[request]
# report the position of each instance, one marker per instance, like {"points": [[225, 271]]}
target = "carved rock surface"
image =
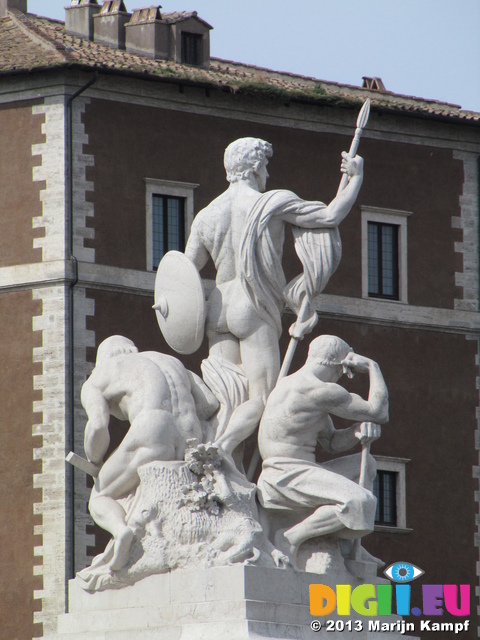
{"points": [[183, 519]]}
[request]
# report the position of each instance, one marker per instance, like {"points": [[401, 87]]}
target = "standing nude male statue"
{"points": [[326, 496], [243, 232], [164, 404]]}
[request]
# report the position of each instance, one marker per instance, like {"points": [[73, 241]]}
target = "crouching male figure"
{"points": [[164, 404], [325, 498]]}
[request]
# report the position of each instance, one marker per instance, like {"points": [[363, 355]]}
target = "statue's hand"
{"points": [[299, 329], [357, 362], [368, 432], [281, 560], [351, 166]]}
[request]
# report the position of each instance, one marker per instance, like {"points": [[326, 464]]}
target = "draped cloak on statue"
{"points": [[260, 267]]}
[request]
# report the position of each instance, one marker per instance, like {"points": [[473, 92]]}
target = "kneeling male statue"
{"points": [[323, 499]]}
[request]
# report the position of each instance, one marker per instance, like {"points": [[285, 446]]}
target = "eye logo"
{"points": [[403, 572]]}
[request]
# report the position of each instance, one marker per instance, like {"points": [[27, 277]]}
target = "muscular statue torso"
{"points": [[293, 422], [146, 382]]}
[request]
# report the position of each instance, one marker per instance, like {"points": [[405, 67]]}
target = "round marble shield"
{"points": [[180, 303]]}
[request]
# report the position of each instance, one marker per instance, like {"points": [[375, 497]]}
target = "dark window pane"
{"points": [[389, 258], [373, 283], [173, 224], [384, 488], [376, 493], [389, 505], [191, 44], [382, 260], [158, 235], [168, 226]]}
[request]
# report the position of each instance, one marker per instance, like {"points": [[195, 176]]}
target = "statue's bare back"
{"points": [[221, 227]]}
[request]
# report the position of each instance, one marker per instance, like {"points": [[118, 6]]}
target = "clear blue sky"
{"points": [[424, 48]]}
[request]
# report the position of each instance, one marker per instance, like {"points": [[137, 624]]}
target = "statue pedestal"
{"points": [[237, 602]]}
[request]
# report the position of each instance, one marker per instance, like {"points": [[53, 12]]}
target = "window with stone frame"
{"points": [[169, 215], [390, 490], [384, 489], [384, 254], [168, 225], [382, 260]]}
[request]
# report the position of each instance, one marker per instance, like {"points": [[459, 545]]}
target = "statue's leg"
{"points": [[349, 467], [116, 478], [151, 436], [324, 521], [261, 362], [225, 346], [344, 508], [110, 515], [261, 359]]}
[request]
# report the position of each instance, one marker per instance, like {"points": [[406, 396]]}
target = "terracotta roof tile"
{"points": [[29, 42]]}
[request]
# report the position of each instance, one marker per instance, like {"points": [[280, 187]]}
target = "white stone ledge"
{"points": [[97, 275], [396, 314], [466, 305], [365, 310], [143, 282], [26, 276]]}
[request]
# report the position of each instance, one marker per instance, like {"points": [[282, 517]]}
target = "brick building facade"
{"points": [[90, 133]]}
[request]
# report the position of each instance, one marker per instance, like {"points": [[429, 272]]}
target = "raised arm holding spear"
{"points": [[309, 247]]}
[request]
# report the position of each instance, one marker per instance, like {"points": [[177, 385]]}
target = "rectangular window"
{"points": [[390, 490], [382, 260], [191, 47], [384, 254], [385, 490], [169, 215], [168, 219]]}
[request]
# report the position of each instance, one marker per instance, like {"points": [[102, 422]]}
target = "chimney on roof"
{"points": [[374, 84], [6, 5], [109, 24], [79, 18], [147, 34]]}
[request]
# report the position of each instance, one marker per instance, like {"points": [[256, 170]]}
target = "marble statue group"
{"points": [[175, 492]]}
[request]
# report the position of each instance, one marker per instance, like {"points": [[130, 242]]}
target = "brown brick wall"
{"points": [[17, 467], [19, 129], [431, 376]]}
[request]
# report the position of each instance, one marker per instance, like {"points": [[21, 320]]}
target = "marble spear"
{"points": [[362, 120], [361, 124]]}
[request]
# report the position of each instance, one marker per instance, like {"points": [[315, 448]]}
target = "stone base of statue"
{"points": [[197, 513], [238, 602], [200, 567]]}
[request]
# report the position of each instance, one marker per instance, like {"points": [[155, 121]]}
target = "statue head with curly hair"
{"points": [[245, 158]]}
